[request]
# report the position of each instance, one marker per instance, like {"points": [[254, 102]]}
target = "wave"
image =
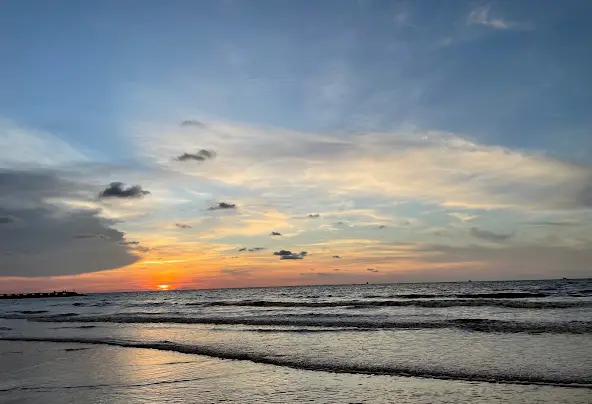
{"points": [[359, 304], [299, 363], [465, 324], [493, 295]]}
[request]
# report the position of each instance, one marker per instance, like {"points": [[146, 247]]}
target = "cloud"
{"points": [[463, 217], [256, 249], [223, 206], [372, 270], [432, 167], [118, 190], [89, 235], [7, 219], [382, 226], [584, 196], [489, 235], [554, 223], [282, 252], [56, 239], [275, 233], [289, 255], [193, 122], [336, 269], [336, 256], [242, 249], [133, 242], [183, 225], [201, 155], [314, 216], [482, 16]]}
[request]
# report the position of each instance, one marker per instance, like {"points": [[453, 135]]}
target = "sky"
{"points": [[260, 143]]}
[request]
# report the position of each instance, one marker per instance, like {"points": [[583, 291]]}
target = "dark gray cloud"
{"points": [[314, 216], [89, 235], [256, 249], [133, 242], [275, 233], [7, 219], [336, 256], [490, 236], [292, 257], [193, 122], [201, 155], [289, 255], [382, 226], [183, 225], [118, 190], [282, 252], [372, 270], [242, 249], [54, 240], [223, 206]]}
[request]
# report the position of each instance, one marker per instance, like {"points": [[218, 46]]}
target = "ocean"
{"points": [[514, 341]]}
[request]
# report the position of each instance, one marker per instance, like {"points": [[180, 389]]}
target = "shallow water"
{"points": [[516, 333]]}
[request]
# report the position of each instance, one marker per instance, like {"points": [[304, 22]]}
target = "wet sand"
{"points": [[48, 373]]}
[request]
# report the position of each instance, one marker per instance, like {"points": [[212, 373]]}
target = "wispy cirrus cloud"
{"points": [[482, 15], [436, 167]]}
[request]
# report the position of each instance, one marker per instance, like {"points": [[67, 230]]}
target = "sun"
{"points": [[163, 287]]}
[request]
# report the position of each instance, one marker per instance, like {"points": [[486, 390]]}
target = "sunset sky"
{"points": [[202, 144]]}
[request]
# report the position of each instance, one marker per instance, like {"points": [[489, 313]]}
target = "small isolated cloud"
{"points": [[463, 217], [223, 206], [201, 155], [282, 252], [256, 249], [118, 190], [336, 269], [242, 249], [336, 256], [275, 233], [183, 225], [192, 122], [372, 270], [482, 16], [382, 226], [314, 216], [490, 236], [289, 255]]}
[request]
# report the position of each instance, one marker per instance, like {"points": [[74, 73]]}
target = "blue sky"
{"points": [[396, 113]]}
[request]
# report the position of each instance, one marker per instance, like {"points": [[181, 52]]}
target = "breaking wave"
{"points": [[308, 320], [299, 363]]}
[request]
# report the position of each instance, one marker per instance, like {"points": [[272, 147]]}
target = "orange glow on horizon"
{"points": [[164, 287]]}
